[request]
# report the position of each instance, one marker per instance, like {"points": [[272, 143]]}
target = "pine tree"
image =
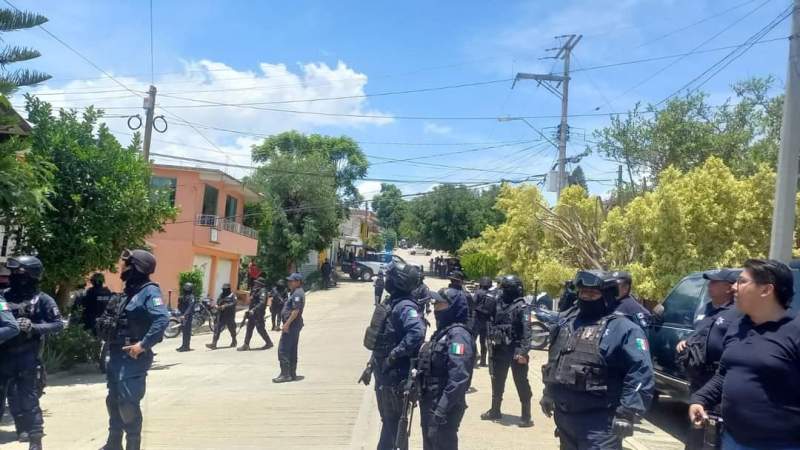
{"points": [[577, 177], [10, 80]]}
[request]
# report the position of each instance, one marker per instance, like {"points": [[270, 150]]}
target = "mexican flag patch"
{"points": [[157, 301], [641, 344], [456, 348], [412, 313], [3, 306]]}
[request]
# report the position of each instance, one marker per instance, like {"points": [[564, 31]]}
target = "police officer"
{"points": [[37, 315], [598, 376], [445, 364], [509, 334], [93, 301], [326, 269], [569, 296], [484, 306], [186, 304], [397, 340], [292, 316], [226, 310], [277, 298], [379, 285], [255, 314], [627, 303], [133, 323], [701, 351]]}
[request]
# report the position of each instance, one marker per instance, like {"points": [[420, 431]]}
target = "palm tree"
{"points": [[13, 20]]}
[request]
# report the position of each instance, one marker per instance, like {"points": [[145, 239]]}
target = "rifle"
{"points": [[243, 322], [366, 375], [410, 396]]}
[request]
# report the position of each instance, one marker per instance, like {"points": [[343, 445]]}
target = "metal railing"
{"points": [[221, 223]]}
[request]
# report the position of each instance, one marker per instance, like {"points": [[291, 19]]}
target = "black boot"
{"points": [[212, 346], [493, 413], [525, 420], [113, 442], [183, 349], [35, 443], [268, 346], [133, 443], [22, 436], [285, 375], [233, 343], [243, 348]]}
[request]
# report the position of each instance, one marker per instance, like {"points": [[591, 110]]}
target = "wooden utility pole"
{"points": [[784, 214], [149, 109]]}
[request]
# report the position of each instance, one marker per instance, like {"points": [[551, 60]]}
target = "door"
{"points": [[222, 276], [203, 263]]}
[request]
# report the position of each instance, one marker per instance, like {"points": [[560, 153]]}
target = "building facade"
{"points": [[207, 234]]}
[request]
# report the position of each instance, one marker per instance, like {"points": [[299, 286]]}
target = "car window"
{"points": [[682, 302]]}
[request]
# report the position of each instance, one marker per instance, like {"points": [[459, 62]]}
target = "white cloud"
{"points": [[368, 189], [434, 128], [183, 94]]}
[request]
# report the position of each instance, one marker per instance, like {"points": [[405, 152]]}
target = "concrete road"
{"points": [[225, 399]]}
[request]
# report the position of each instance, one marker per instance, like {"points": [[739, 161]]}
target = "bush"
{"points": [[194, 276], [313, 280], [479, 264], [72, 346]]}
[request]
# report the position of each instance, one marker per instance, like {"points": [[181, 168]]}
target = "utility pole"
{"points": [[149, 108], [619, 185], [783, 216], [563, 52]]}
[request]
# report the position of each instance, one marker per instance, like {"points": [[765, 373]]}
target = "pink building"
{"points": [[207, 234]]}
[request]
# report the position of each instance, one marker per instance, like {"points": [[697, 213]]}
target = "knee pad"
{"points": [[129, 412]]}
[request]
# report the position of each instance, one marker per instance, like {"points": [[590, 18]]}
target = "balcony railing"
{"points": [[221, 223]]}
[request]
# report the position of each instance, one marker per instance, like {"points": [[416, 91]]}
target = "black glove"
{"points": [[25, 325], [391, 360], [439, 419], [548, 406], [622, 426]]}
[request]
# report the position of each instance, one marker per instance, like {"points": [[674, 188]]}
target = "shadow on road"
{"points": [[670, 416], [7, 436]]}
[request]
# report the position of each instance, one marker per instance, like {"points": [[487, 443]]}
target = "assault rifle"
{"points": [[410, 397]]}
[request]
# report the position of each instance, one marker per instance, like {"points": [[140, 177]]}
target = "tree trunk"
{"points": [[62, 296]]}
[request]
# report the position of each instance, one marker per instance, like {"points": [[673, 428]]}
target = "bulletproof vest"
{"points": [[25, 309], [432, 360], [503, 330], [127, 330], [375, 336], [575, 362], [185, 301]]}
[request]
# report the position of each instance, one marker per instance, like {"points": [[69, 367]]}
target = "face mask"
{"points": [[97, 284], [226, 292], [594, 308], [19, 281], [126, 273]]}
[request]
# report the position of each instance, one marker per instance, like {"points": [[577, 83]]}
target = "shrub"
{"points": [[74, 345], [479, 264]]}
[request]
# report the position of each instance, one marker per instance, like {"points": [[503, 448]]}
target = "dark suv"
{"points": [[684, 302]]}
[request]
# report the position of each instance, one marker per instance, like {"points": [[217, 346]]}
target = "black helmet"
{"points": [[597, 279], [97, 278], [188, 287], [226, 286], [485, 282], [456, 275], [29, 265], [402, 278], [142, 260], [512, 287]]}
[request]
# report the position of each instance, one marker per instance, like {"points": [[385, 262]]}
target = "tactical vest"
{"points": [[503, 330], [575, 362], [380, 336], [24, 309], [434, 376], [128, 333]]}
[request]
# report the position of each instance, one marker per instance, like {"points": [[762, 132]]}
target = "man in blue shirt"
{"points": [[292, 316], [758, 380]]}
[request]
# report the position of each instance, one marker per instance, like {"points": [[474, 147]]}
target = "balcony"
{"points": [[221, 223], [225, 235]]}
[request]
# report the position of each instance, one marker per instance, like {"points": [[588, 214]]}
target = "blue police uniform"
{"points": [[287, 346], [19, 357], [758, 384], [597, 369], [142, 317], [8, 324], [710, 329], [630, 307], [446, 363], [186, 305], [406, 330]]}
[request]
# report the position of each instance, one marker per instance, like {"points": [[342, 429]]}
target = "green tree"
{"points": [[389, 206], [13, 20], [101, 198], [577, 178], [348, 162], [300, 212]]}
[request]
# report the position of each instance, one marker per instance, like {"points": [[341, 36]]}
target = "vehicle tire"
{"points": [[366, 275], [353, 276], [212, 323], [197, 323], [173, 328], [540, 336]]}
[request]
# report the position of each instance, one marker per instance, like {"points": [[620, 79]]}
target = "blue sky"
{"points": [[266, 52]]}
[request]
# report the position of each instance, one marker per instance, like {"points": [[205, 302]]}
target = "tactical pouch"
{"points": [[374, 336], [712, 433]]}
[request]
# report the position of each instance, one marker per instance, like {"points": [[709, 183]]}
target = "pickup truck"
{"points": [[367, 267], [685, 301]]}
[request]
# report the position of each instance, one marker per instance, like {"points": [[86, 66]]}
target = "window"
{"points": [[165, 184], [231, 204], [681, 304], [210, 201]]}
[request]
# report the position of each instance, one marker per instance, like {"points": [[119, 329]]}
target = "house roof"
{"points": [[21, 127], [207, 174]]}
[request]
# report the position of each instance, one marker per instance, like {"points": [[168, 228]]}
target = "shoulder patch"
{"points": [[641, 344], [3, 305], [412, 313], [157, 301], [456, 348]]}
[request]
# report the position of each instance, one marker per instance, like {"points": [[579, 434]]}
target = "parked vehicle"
{"points": [[542, 321], [367, 267], [673, 324], [174, 327], [204, 314]]}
